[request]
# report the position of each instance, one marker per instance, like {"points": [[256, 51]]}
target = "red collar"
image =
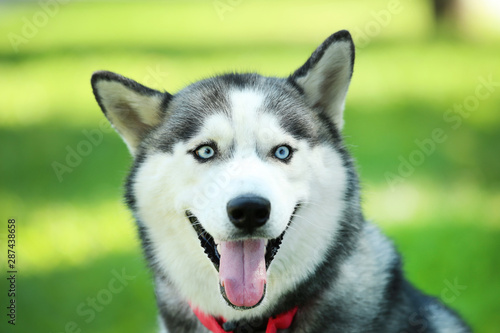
{"points": [[281, 321]]}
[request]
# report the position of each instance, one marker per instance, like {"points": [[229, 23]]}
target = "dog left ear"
{"points": [[326, 75]]}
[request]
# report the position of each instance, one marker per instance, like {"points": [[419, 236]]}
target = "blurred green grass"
{"points": [[73, 233]]}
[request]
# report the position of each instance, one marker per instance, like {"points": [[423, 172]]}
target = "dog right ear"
{"points": [[326, 75], [130, 107]]}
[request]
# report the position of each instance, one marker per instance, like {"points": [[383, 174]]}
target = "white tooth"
{"points": [[218, 248], [265, 243]]}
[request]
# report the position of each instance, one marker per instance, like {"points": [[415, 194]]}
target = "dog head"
{"points": [[239, 180]]}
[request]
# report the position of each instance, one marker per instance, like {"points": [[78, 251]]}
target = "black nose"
{"points": [[248, 212]]}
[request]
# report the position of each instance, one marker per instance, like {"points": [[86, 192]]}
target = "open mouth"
{"points": [[242, 264]]}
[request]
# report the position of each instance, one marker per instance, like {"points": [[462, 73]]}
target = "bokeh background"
{"points": [[422, 121]]}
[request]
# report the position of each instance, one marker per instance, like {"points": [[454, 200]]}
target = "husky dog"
{"points": [[247, 205]]}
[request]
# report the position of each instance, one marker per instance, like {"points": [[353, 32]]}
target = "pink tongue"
{"points": [[242, 271]]}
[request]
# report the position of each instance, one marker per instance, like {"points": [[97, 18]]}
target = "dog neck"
{"points": [[220, 325]]}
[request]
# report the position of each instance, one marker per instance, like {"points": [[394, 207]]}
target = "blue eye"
{"points": [[283, 152], [205, 152]]}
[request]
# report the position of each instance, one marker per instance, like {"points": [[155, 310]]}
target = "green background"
{"points": [[74, 233]]}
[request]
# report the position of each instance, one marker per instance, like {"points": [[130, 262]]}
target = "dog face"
{"points": [[227, 175]]}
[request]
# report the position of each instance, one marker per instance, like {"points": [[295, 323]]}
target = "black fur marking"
{"points": [[285, 103], [290, 80], [129, 183], [238, 80], [418, 310], [395, 283], [146, 244], [130, 200], [165, 102], [175, 322], [179, 318], [247, 326], [392, 295], [332, 134], [187, 111], [421, 307]]}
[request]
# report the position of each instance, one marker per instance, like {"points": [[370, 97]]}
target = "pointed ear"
{"points": [[130, 107], [325, 76]]}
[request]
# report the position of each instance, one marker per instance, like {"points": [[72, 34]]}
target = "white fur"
{"points": [[169, 184]]}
